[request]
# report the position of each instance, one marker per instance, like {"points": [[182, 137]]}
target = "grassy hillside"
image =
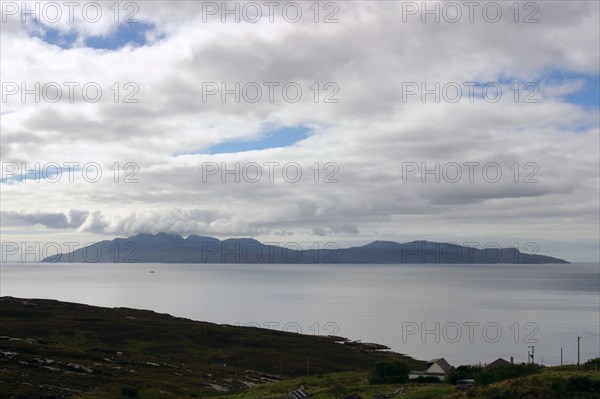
{"points": [[51, 349], [549, 383], [332, 386]]}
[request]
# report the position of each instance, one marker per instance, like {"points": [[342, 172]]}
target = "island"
{"points": [[173, 248]]}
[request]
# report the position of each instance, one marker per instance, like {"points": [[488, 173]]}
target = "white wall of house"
{"points": [[435, 369]]}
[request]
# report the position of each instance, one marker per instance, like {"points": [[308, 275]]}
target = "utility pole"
{"points": [[578, 339], [532, 353], [561, 362], [308, 367]]}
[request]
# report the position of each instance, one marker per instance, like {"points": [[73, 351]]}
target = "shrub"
{"points": [[337, 390], [130, 392], [506, 372], [592, 364], [426, 379], [579, 384], [391, 373], [463, 373]]}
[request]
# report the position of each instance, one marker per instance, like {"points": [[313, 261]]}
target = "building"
{"points": [[497, 363], [299, 393], [438, 368]]}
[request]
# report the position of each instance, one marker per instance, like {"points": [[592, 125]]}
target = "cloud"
{"points": [[185, 222], [345, 229], [68, 220], [362, 141]]}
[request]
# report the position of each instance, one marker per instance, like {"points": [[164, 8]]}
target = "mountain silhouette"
{"points": [[173, 248]]}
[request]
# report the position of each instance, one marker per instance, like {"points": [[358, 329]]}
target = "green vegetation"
{"points": [[391, 373], [130, 392], [71, 350], [427, 379], [321, 387], [51, 349], [463, 373], [549, 383], [592, 364], [506, 372]]}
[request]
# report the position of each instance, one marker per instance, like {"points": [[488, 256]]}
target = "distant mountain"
{"points": [[172, 248]]}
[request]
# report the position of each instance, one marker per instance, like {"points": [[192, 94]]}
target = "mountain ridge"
{"points": [[173, 248]]}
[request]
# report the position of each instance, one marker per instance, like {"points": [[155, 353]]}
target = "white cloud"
{"points": [[368, 134]]}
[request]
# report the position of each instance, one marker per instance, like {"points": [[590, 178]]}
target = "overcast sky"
{"points": [[360, 121]]}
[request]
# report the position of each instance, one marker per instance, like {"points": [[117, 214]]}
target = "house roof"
{"points": [[496, 363], [444, 365]]}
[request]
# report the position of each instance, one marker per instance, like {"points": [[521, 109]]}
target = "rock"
{"points": [[80, 367]]}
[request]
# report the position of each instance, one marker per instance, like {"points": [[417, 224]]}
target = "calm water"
{"points": [[465, 313]]}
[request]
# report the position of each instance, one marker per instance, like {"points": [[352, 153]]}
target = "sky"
{"points": [[344, 123]]}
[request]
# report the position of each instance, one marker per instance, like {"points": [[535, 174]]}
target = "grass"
{"points": [[332, 386], [551, 383], [71, 350]]}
